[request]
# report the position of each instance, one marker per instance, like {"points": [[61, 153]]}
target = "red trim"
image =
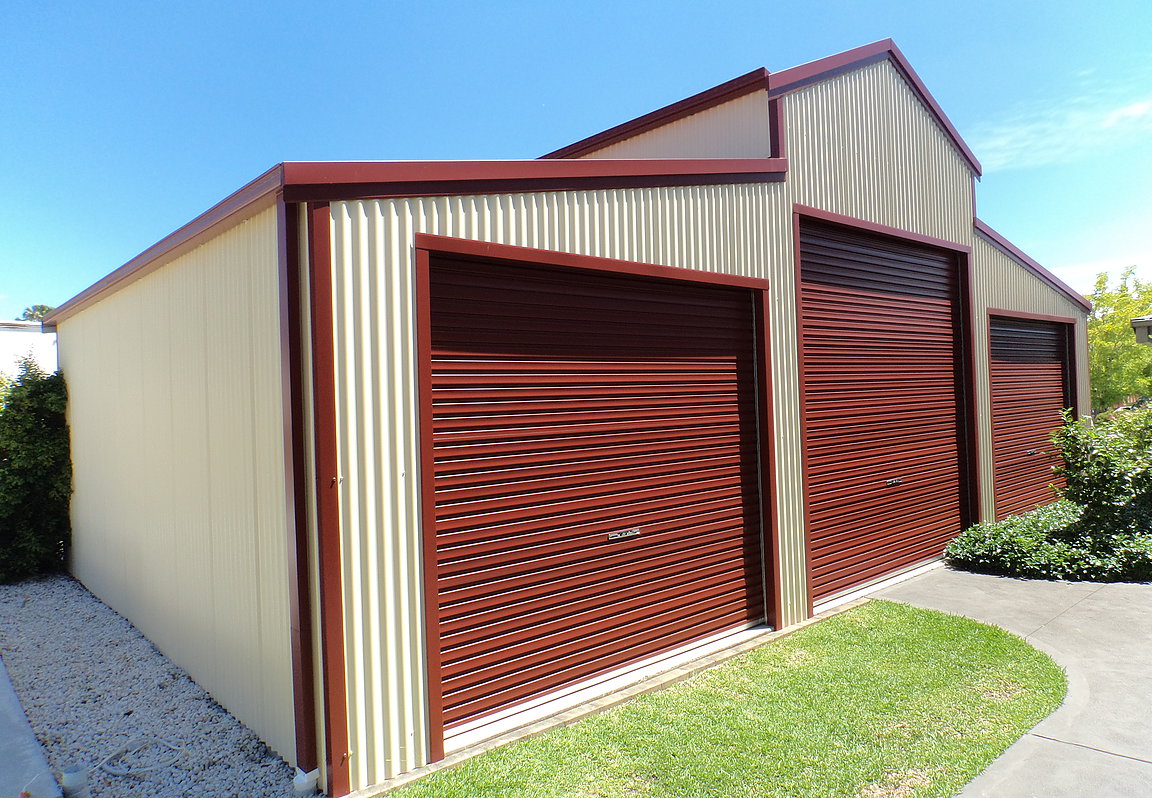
{"points": [[798, 293], [345, 181], [328, 500], [444, 245], [1015, 253], [967, 378], [299, 585], [1071, 360], [756, 80], [770, 517], [427, 245], [776, 134], [882, 229], [428, 500], [1019, 314]]}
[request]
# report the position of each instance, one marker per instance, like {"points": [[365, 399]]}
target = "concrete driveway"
{"points": [[1098, 744]]}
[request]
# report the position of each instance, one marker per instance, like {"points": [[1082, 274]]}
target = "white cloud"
{"points": [[1062, 128]]}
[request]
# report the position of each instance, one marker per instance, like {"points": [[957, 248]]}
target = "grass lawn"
{"points": [[883, 701]]}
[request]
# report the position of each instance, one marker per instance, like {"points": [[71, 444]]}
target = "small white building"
{"points": [[20, 339]]}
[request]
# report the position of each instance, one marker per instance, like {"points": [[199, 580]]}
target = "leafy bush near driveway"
{"points": [[1108, 468], [1100, 531], [35, 474]]}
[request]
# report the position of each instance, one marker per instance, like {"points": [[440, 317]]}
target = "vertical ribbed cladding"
{"points": [[863, 145], [180, 506], [742, 229], [999, 282]]}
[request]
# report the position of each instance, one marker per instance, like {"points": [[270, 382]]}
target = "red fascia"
{"points": [[1015, 253]]}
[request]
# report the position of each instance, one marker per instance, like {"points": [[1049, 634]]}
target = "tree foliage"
{"points": [[1119, 366], [35, 474], [36, 313]]}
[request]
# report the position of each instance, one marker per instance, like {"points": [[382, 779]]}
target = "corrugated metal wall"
{"points": [[1000, 282], [177, 447], [735, 129], [864, 145], [721, 228]]}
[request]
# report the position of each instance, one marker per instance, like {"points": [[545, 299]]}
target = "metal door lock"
{"points": [[894, 482]]}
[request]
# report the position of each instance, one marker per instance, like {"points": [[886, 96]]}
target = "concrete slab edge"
{"points": [[23, 765]]}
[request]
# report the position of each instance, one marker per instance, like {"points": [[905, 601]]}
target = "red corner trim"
{"points": [[1015, 253], [756, 80], [328, 500]]}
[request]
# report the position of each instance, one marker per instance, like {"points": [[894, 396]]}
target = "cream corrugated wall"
{"points": [[735, 129], [861, 145], [864, 145], [179, 515], [718, 228], [1000, 282]]}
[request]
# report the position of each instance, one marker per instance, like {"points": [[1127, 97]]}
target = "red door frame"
{"points": [[966, 367], [1071, 375], [428, 246]]}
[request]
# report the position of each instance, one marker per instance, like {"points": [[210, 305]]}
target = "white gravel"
{"points": [[90, 682]]}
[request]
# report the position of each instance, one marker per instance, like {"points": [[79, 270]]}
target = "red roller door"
{"points": [[596, 478], [886, 473], [1031, 386]]}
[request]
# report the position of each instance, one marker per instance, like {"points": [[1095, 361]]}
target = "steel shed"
{"points": [[385, 453]]}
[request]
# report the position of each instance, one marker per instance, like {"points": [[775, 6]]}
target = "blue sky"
{"points": [[122, 121]]}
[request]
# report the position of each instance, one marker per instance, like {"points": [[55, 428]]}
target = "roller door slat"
{"points": [[595, 472], [1031, 386], [886, 449]]}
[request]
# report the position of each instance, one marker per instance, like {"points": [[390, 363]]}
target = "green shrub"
{"points": [[35, 474], [1108, 468], [1102, 528]]}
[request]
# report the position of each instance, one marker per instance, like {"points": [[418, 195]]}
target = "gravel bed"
{"points": [[90, 682]]}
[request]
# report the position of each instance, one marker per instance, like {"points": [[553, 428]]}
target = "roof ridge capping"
{"points": [[777, 84]]}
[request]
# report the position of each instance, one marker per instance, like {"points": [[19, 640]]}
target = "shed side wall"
{"points": [[179, 508], [1000, 282]]}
